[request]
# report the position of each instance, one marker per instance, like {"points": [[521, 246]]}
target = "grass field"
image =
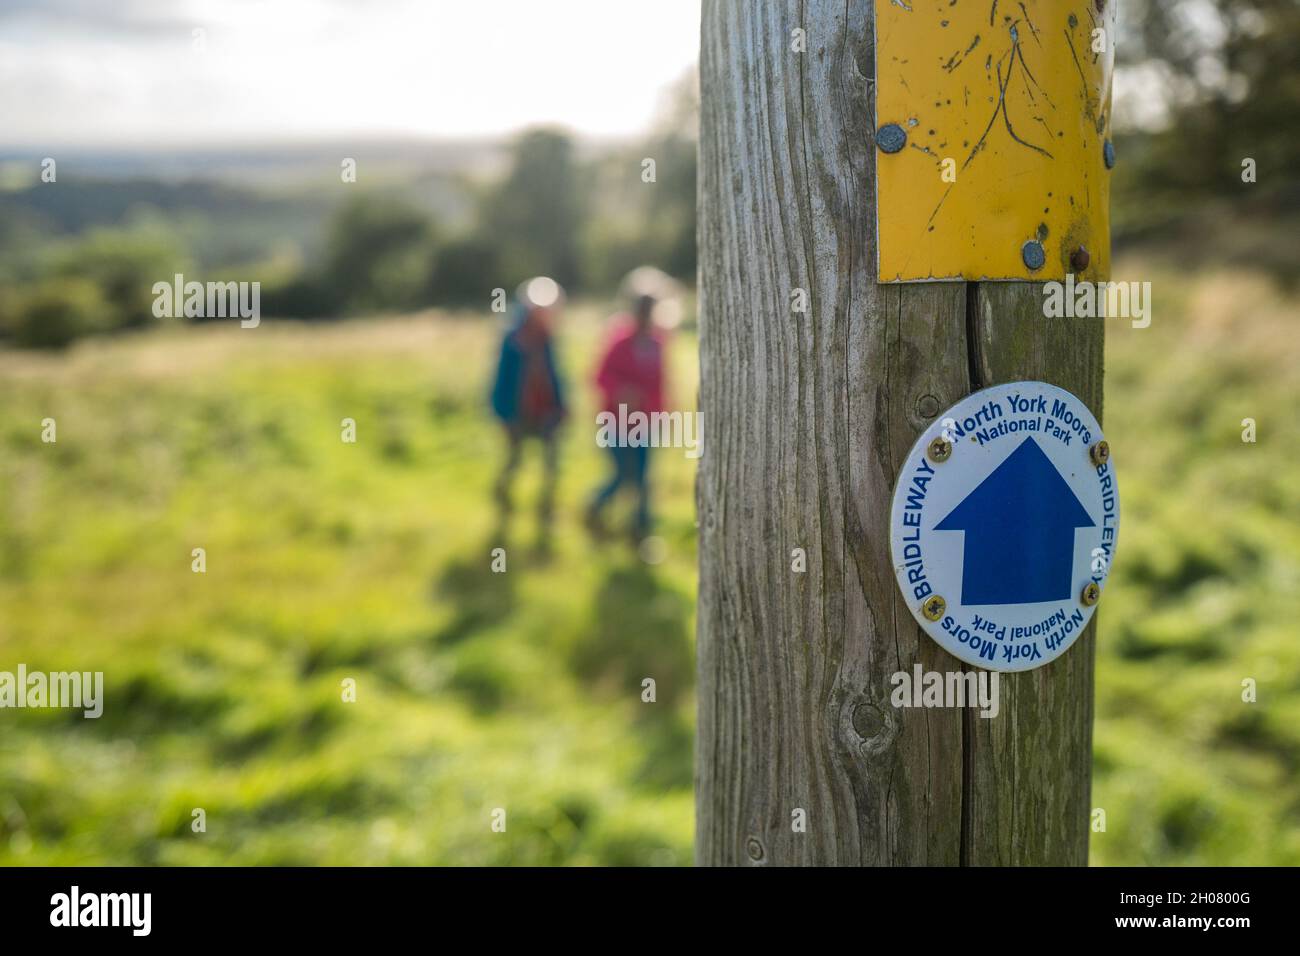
{"points": [[329, 561]]}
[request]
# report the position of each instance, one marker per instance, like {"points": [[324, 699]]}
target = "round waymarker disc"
{"points": [[1004, 525]]}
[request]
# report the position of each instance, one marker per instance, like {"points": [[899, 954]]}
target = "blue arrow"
{"points": [[1019, 525]]}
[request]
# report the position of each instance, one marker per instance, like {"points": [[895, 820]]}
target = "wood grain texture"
{"points": [[809, 417], [1030, 769]]}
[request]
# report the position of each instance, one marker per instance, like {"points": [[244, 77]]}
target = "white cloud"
{"points": [[72, 71]]}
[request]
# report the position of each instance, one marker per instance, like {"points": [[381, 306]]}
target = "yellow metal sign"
{"points": [[993, 146]]}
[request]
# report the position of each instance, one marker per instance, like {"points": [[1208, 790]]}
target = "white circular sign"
{"points": [[1004, 524]]}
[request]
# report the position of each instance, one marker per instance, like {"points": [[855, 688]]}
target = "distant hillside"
{"points": [[274, 165], [239, 204], [221, 222]]}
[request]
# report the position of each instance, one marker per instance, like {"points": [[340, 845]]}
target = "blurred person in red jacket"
{"points": [[631, 374]]}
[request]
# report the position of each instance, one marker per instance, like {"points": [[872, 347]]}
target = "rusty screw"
{"points": [[934, 607], [1099, 453], [1079, 259], [940, 450], [1091, 594]]}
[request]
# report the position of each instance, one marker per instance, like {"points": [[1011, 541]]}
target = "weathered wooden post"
{"points": [[810, 413]]}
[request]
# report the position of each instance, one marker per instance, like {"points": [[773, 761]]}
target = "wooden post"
{"points": [[809, 416]]}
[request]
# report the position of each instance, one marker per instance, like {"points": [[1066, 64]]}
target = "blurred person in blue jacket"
{"points": [[528, 395]]}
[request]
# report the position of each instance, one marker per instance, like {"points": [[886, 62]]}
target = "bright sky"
{"points": [[108, 72]]}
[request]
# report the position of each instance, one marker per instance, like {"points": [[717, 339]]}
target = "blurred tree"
{"points": [[23, 233], [1225, 74], [303, 296], [465, 270], [675, 141], [533, 217], [124, 265], [632, 221], [377, 254], [54, 313]]}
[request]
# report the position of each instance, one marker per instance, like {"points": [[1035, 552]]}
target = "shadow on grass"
{"points": [[481, 597], [639, 631]]}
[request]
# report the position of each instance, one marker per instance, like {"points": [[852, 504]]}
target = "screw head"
{"points": [[939, 450], [891, 138], [1079, 259], [754, 849], [934, 607], [1032, 254], [1108, 154], [1099, 453], [1091, 594]]}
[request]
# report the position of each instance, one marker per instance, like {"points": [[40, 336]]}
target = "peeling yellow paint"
{"points": [[1015, 95]]}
